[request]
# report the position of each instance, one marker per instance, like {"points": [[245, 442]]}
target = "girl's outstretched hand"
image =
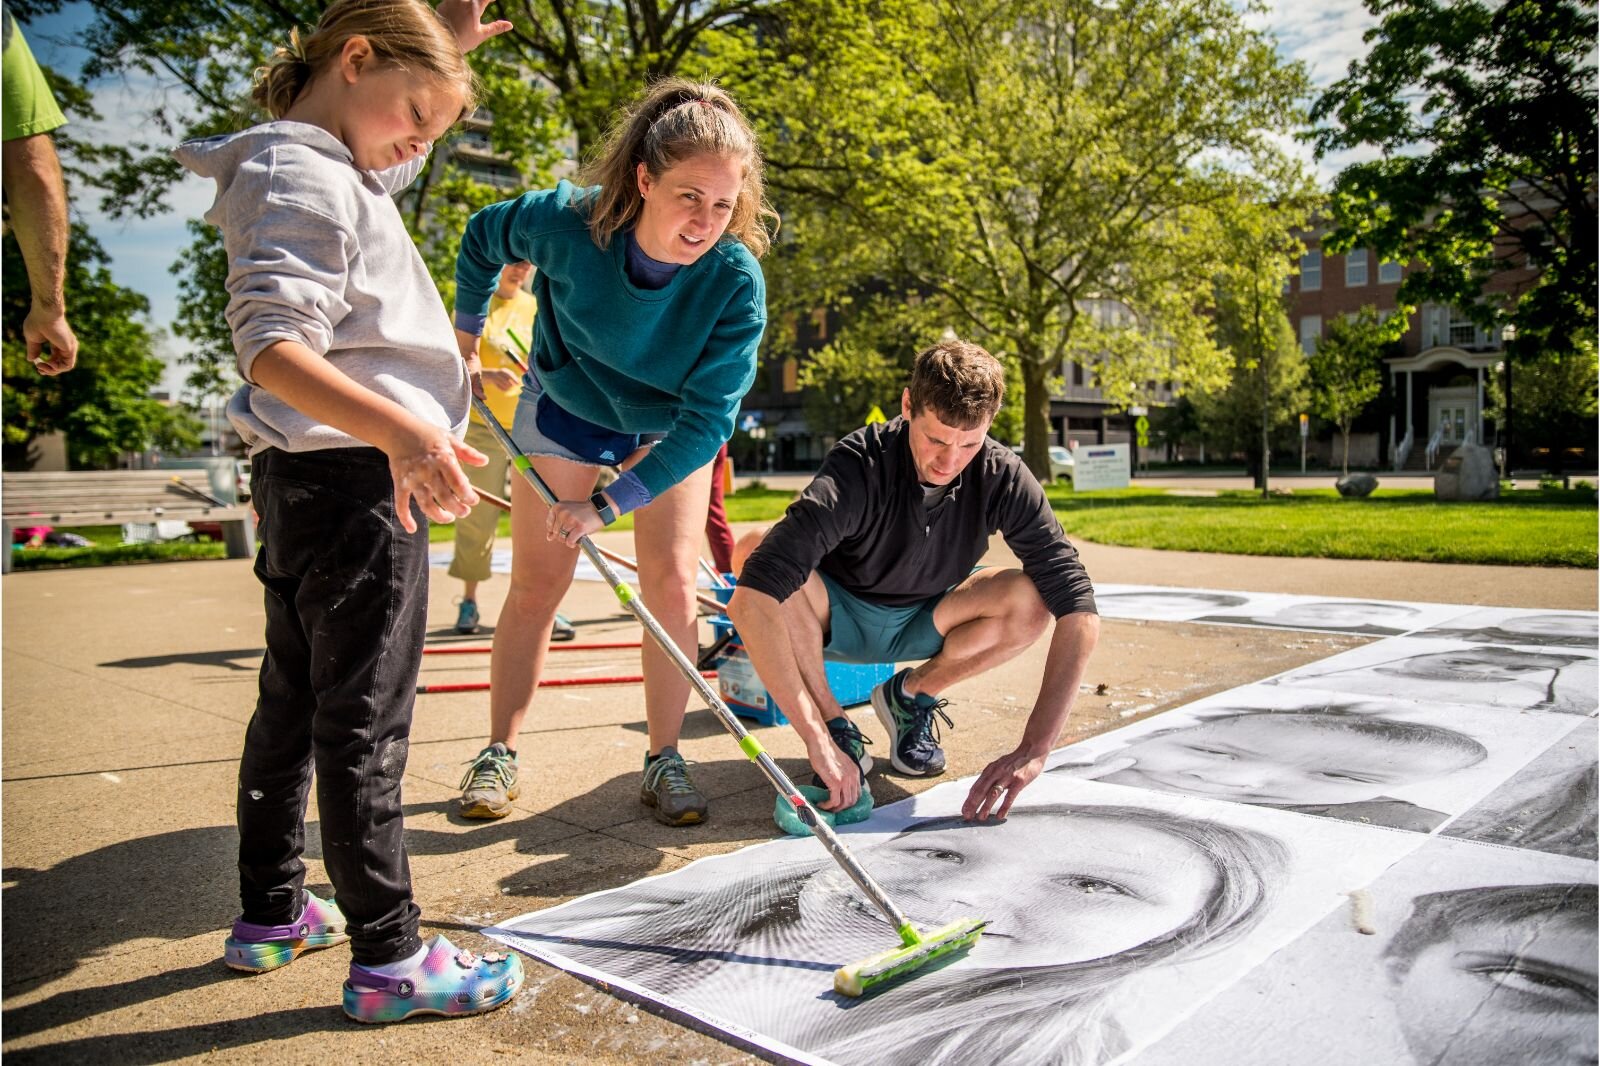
{"points": [[465, 19], [426, 467]]}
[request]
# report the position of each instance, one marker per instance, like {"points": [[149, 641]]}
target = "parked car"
{"points": [[1061, 464]]}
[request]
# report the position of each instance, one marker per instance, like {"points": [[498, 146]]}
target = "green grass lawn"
{"points": [[106, 549], [1522, 528]]}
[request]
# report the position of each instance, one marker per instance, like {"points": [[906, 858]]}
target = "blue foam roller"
{"points": [[784, 814]]}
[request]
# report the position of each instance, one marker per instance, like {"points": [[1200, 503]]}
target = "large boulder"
{"points": [[1468, 474], [1356, 485]]}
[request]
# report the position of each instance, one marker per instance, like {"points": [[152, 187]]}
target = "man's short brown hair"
{"points": [[960, 382]]}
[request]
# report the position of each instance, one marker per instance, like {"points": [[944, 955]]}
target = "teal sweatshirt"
{"points": [[675, 360]]}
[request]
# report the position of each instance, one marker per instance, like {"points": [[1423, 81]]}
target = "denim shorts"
{"points": [[862, 632], [531, 440]]}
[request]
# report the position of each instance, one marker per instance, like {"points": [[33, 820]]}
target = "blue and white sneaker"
{"points": [[911, 727], [848, 739], [467, 618]]}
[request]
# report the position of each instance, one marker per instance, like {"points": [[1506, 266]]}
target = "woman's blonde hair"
{"points": [[407, 34], [674, 120]]}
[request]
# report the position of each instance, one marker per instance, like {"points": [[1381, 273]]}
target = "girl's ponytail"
{"points": [[406, 34], [283, 78]]}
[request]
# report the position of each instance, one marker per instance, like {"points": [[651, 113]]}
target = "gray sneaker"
{"points": [[669, 790], [490, 783]]}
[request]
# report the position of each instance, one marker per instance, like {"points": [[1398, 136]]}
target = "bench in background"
{"points": [[112, 497]]}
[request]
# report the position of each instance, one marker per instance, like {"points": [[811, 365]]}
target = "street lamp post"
{"points": [[1509, 334]]}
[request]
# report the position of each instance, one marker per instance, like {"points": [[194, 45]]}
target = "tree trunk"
{"points": [[1266, 399], [1345, 430], [1036, 417]]}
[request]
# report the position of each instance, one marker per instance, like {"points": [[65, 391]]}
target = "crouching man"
{"points": [[876, 561]]}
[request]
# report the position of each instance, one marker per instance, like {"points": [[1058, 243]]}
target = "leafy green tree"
{"points": [[104, 406], [1479, 116], [1022, 163], [1553, 403], [843, 381], [1346, 369], [1265, 387]]}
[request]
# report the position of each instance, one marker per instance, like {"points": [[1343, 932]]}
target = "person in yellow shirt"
{"points": [[511, 311]]}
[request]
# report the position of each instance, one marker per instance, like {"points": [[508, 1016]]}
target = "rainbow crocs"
{"points": [[447, 981], [259, 948]]}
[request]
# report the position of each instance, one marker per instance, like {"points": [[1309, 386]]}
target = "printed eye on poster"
{"points": [[1100, 466]]}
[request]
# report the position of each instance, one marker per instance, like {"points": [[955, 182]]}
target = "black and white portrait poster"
{"points": [[1395, 763], [1548, 806], [1558, 679], [1114, 911], [1478, 955], [1151, 603], [1372, 618], [1387, 856], [1518, 626]]}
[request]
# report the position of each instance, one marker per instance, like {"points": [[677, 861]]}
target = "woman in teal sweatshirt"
{"points": [[651, 309]]}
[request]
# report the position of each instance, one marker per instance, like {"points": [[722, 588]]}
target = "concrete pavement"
{"points": [[126, 692]]}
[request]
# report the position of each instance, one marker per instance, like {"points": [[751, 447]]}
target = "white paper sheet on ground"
{"points": [[1520, 627], [1153, 603], [1115, 912], [439, 557], [1327, 614], [1398, 764], [1549, 805], [1482, 956], [1438, 671]]}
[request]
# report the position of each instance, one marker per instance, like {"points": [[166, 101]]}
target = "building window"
{"points": [[1388, 273], [1311, 271], [1355, 267], [1463, 331], [791, 374], [1310, 333], [1077, 375]]}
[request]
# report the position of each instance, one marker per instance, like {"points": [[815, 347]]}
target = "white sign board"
{"points": [[1100, 466]]}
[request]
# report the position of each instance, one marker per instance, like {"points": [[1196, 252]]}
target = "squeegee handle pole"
{"points": [[822, 830], [747, 743]]}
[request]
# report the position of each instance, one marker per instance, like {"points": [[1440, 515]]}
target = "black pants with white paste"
{"points": [[347, 601]]}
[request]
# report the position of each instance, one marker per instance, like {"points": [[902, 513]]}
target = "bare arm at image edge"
{"points": [[38, 202]]}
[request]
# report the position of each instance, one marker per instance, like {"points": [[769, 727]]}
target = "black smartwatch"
{"points": [[598, 502]]}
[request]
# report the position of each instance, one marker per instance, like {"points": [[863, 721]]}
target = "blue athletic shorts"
{"points": [[862, 632], [531, 440]]}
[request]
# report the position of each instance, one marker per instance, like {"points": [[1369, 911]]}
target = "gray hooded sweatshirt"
{"points": [[317, 254]]}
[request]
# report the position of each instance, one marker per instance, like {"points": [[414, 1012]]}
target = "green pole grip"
{"points": [[751, 747]]}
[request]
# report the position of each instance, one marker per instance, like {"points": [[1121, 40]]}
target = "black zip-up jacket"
{"points": [[862, 522]]}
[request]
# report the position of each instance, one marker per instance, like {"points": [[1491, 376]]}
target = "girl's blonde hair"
{"points": [[403, 33], [674, 120]]}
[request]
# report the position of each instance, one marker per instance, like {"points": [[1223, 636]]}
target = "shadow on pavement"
{"points": [[224, 660], [165, 1045]]}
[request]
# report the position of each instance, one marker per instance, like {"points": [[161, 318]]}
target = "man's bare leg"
{"points": [[989, 619]]}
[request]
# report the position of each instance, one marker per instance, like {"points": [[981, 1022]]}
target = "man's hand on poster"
{"points": [[997, 787]]}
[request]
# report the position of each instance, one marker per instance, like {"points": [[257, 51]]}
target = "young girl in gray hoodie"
{"points": [[354, 400]]}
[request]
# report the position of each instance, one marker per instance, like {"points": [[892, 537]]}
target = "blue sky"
{"points": [[1325, 36]]}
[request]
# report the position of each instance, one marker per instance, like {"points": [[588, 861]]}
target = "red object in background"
{"points": [[718, 532], [31, 536]]}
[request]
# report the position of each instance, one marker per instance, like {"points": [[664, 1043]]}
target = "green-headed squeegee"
{"points": [[916, 948]]}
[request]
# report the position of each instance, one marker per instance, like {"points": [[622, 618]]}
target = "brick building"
{"points": [[1435, 390]]}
